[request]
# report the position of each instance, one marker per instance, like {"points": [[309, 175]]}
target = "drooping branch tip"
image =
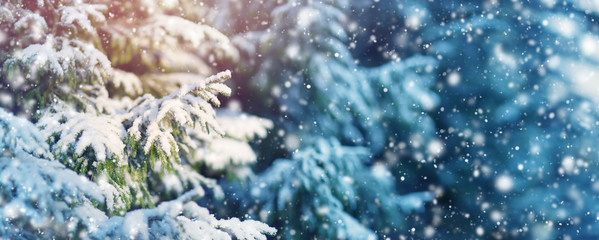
{"points": [[219, 77]]}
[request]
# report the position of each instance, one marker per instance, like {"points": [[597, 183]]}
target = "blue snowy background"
{"points": [[480, 114]]}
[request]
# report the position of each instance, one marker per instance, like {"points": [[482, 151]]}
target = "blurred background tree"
{"points": [[489, 105]]}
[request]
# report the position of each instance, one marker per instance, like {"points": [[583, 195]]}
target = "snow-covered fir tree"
{"points": [[117, 122]]}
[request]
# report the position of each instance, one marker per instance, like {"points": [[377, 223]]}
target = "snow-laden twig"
{"points": [[37, 196], [232, 149], [181, 219], [72, 133], [155, 124], [82, 15], [61, 58], [18, 136]]}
